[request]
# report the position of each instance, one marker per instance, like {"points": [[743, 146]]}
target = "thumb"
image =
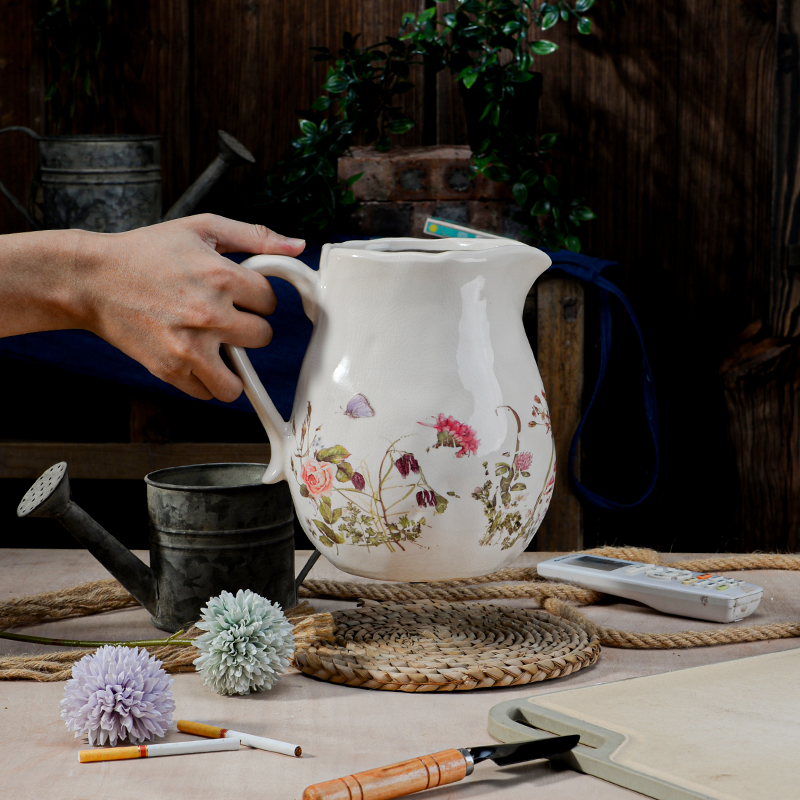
{"points": [[230, 236]]}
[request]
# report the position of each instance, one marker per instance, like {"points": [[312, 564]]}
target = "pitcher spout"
{"points": [[50, 497]]}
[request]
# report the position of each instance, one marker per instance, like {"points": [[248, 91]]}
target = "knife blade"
{"points": [[436, 769]]}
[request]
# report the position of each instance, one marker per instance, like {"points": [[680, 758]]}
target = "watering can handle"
{"points": [[13, 200], [306, 281]]}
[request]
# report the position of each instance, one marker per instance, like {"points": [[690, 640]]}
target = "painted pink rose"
{"points": [[318, 476]]}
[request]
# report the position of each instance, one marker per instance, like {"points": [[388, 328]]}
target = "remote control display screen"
{"points": [[593, 562]]}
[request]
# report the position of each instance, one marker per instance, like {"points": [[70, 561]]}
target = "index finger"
{"points": [[230, 236]]}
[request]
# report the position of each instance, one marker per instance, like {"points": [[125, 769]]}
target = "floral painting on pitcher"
{"points": [[357, 505]]}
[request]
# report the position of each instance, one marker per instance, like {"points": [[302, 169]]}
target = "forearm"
{"points": [[40, 281]]}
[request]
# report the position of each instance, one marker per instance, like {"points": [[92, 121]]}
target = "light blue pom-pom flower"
{"points": [[118, 693], [247, 644]]}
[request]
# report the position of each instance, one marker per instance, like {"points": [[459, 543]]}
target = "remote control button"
{"points": [[723, 588], [681, 574], [690, 580], [704, 576], [637, 569], [659, 576]]}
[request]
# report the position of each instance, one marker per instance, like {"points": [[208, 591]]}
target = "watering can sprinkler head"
{"points": [[49, 496]]}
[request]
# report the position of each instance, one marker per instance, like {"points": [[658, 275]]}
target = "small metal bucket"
{"points": [[101, 183], [216, 527]]}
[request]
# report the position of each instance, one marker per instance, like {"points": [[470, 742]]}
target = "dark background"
{"points": [[666, 123]]}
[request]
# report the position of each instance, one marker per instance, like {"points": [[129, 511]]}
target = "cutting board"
{"points": [[728, 731]]}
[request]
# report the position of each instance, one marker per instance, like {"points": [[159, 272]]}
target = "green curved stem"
{"points": [[21, 637]]}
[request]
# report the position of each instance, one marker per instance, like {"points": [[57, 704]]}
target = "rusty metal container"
{"points": [[108, 184]]}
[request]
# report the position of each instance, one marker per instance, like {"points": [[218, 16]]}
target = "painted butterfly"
{"points": [[358, 407]]}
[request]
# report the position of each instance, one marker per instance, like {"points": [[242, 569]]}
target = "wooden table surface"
{"points": [[341, 729]]}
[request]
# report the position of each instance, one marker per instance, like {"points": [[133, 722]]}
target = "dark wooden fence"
{"points": [[666, 124]]}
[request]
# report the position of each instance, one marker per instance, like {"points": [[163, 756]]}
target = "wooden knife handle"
{"points": [[396, 780]]}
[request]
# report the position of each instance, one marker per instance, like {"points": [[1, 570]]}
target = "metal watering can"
{"points": [[111, 184], [213, 527]]}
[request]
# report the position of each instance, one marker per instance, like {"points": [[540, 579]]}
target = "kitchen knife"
{"points": [[437, 769]]}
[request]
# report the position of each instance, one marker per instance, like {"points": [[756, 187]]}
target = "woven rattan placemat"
{"points": [[440, 647]]}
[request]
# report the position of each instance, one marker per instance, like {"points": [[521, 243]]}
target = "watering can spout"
{"points": [[50, 497], [230, 153]]}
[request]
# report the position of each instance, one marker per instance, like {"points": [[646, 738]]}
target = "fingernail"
{"points": [[296, 242]]}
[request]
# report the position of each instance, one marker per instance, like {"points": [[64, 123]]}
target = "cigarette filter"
{"points": [[260, 742], [151, 750]]}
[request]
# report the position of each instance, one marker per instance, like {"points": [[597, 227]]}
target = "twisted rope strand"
{"points": [[512, 583]]}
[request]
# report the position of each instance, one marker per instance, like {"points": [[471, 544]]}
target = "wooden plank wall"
{"points": [[666, 123]]}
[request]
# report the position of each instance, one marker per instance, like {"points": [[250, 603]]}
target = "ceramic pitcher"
{"points": [[419, 446]]}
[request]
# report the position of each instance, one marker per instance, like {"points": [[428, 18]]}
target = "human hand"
{"points": [[165, 296]]}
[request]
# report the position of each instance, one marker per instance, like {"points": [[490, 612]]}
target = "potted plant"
{"points": [[488, 46]]}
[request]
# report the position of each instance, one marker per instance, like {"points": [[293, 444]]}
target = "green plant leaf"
{"points": [[512, 27], [582, 6], [427, 14], [548, 20], [540, 207], [469, 79], [334, 455], [551, 184], [573, 243], [308, 127], [547, 141], [543, 47], [584, 25], [398, 126], [520, 192], [584, 213], [321, 104]]}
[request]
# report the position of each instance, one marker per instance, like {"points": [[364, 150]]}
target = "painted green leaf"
{"points": [[337, 513], [326, 541], [525, 474], [325, 509], [303, 490], [326, 529], [344, 472], [441, 504], [518, 487], [333, 455]]}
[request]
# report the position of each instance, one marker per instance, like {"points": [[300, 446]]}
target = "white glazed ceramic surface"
{"points": [[419, 446]]}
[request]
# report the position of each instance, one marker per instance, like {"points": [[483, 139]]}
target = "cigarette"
{"points": [[261, 742], [151, 750]]}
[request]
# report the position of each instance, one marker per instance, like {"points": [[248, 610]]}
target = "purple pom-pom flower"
{"points": [[358, 481], [118, 693]]}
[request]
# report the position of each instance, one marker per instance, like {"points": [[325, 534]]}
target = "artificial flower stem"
{"points": [[21, 637]]}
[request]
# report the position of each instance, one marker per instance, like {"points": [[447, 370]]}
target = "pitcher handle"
{"points": [[306, 281], [13, 200]]}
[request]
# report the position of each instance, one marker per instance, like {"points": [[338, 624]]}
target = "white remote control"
{"points": [[673, 591]]}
